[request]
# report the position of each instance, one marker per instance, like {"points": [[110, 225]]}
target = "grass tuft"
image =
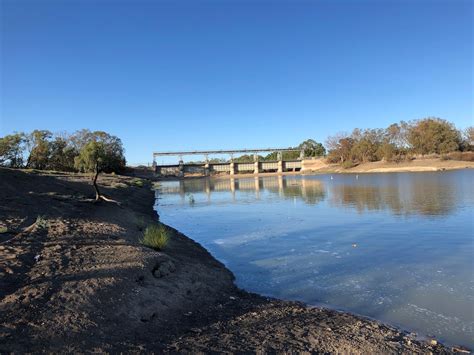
{"points": [[3, 230], [42, 222], [137, 182], [156, 236]]}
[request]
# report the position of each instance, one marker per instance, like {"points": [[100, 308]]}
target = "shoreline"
{"points": [[93, 287]]}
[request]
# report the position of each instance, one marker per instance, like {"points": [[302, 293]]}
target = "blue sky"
{"points": [[176, 75]]}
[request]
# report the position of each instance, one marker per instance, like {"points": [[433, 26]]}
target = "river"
{"points": [[396, 247]]}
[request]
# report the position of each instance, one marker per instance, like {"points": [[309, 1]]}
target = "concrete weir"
{"points": [[231, 166]]}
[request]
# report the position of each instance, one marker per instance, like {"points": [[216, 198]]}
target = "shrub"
{"points": [[137, 182], [155, 237], [42, 222], [3, 229], [348, 164]]}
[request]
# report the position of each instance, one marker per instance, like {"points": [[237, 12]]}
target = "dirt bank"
{"points": [[77, 279], [417, 165]]}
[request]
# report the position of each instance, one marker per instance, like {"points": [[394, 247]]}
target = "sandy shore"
{"points": [[77, 279], [417, 165]]}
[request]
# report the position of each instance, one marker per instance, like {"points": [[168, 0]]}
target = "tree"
{"points": [[93, 158], [11, 150], [340, 147], [433, 135], [366, 144], [62, 154], [468, 139], [38, 146], [312, 148]]}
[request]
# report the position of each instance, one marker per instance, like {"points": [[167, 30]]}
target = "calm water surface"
{"points": [[396, 247]]}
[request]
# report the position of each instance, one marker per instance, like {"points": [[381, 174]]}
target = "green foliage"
{"points": [[396, 142], [137, 182], [3, 230], [11, 150], [340, 148], [155, 237], [312, 148], [45, 151], [348, 164], [62, 155], [433, 135], [91, 158], [247, 158], [38, 146]]}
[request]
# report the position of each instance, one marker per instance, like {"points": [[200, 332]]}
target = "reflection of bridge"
{"points": [[232, 167], [309, 190]]}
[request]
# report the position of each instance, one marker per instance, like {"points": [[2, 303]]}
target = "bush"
{"points": [[42, 222], [3, 229], [137, 182], [348, 164], [155, 237]]}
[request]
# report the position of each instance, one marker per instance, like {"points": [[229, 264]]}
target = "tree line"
{"points": [[82, 151], [399, 141], [87, 150]]}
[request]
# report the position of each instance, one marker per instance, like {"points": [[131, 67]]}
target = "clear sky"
{"points": [[172, 75]]}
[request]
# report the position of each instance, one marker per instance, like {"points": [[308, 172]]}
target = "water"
{"points": [[396, 247]]}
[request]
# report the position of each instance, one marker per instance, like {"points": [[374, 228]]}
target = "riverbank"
{"points": [[74, 277], [417, 165]]}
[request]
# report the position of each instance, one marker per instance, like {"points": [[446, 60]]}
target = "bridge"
{"points": [[231, 166]]}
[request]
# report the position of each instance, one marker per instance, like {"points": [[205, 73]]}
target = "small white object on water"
{"points": [[354, 245], [331, 177], [357, 177]]}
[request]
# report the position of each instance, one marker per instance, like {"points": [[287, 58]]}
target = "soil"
{"points": [[74, 277]]}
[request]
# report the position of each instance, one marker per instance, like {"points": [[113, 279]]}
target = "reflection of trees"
{"points": [[311, 191], [414, 197]]}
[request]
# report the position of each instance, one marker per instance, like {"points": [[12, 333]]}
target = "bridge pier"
{"points": [[181, 169], [232, 167], [280, 162], [256, 164]]}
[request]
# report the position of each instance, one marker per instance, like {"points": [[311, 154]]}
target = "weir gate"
{"points": [[231, 166]]}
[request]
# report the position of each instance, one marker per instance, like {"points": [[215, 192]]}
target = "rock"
{"points": [[163, 269]]}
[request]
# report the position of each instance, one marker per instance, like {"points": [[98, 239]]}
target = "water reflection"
{"points": [[396, 247], [310, 191], [402, 194]]}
